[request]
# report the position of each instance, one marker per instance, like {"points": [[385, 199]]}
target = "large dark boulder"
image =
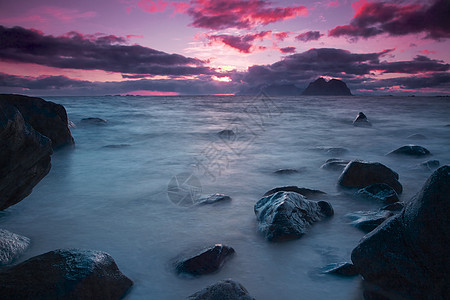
{"points": [[48, 118], [11, 246], [288, 215], [321, 87], [309, 193], [369, 220], [380, 192], [223, 290], [361, 120], [411, 150], [359, 174], [207, 261], [65, 274], [409, 253], [24, 156]]}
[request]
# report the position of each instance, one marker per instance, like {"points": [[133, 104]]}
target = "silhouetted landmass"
{"points": [[321, 87]]}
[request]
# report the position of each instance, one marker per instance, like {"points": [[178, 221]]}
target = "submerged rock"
{"points": [[411, 150], [430, 164], [214, 198], [369, 220], [286, 172], [226, 134], [65, 274], [47, 118], [409, 253], [332, 150], [309, 193], [223, 290], [342, 269], [417, 136], [287, 215], [335, 164], [94, 121], [24, 156], [12, 246], [379, 191], [208, 261], [359, 174], [361, 120]]}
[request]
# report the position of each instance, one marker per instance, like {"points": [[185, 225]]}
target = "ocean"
{"points": [[110, 192]]}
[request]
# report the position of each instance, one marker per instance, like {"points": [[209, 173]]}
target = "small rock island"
{"points": [[321, 87]]}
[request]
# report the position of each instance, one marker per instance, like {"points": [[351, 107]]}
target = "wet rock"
{"points": [[208, 261], [417, 136], [409, 252], [24, 156], [380, 192], [393, 206], [226, 134], [65, 274], [361, 120], [288, 215], [335, 151], [359, 174], [309, 193], [410, 150], [342, 269], [430, 164], [12, 246], [94, 121], [214, 198], [117, 146], [47, 118], [286, 172], [335, 164], [223, 290], [369, 220]]}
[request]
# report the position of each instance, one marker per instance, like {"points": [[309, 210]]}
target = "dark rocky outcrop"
{"points": [[409, 253], [287, 215], [11, 246], [65, 274], [47, 118], [379, 191], [321, 87], [411, 150], [335, 164], [208, 261], [24, 156], [214, 198], [286, 171], [223, 290], [361, 120], [393, 206], [359, 174], [309, 193], [369, 220], [226, 134], [342, 269]]}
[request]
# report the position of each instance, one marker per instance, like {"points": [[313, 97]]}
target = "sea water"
{"points": [[109, 192]]}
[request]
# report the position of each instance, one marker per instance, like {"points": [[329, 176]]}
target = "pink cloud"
{"points": [[242, 43], [152, 6], [333, 3], [286, 50], [280, 36], [129, 36], [309, 36], [427, 52]]}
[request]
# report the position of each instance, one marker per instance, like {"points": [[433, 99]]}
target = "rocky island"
{"points": [[321, 87]]}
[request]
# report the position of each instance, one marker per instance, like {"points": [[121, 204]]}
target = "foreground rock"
{"points": [[380, 192], [409, 253], [361, 120], [369, 220], [93, 121], [342, 269], [24, 156], [12, 246], [288, 215], [223, 290], [335, 164], [359, 174], [411, 150], [208, 261], [321, 87], [214, 198], [47, 118], [65, 274], [286, 172], [309, 193], [226, 134], [430, 164]]}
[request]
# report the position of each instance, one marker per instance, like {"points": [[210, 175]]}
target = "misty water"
{"points": [[110, 192]]}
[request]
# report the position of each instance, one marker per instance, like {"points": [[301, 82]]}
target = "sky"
{"points": [[198, 47]]}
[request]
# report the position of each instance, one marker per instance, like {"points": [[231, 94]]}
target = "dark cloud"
{"points": [[374, 18], [92, 52], [242, 43], [309, 36], [243, 14], [287, 50]]}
